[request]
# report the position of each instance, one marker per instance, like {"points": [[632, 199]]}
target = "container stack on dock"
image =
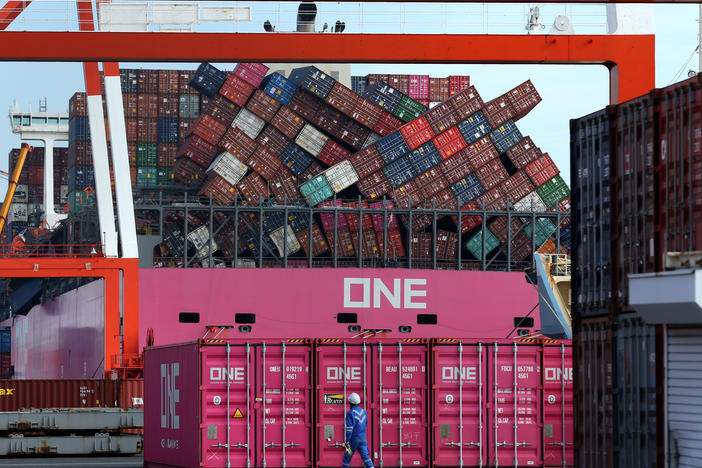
{"points": [[5, 352], [308, 139], [635, 206]]}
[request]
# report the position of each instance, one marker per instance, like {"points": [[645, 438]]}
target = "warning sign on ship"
{"points": [[238, 414]]}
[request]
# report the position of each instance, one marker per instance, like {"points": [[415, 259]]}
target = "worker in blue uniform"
{"points": [[356, 422]]}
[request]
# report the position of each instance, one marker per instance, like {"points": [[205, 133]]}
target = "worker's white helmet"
{"points": [[354, 399]]}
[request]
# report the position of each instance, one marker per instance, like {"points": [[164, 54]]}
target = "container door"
{"points": [[514, 374], [283, 407], [341, 369], [684, 369], [558, 405], [227, 434], [459, 404], [401, 404]]}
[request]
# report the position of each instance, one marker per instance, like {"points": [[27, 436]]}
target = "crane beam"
{"points": [[630, 59]]}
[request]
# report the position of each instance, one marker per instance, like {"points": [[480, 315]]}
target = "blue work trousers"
{"points": [[361, 445]]}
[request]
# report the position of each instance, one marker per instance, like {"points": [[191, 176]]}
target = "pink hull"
{"points": [[63, 338]]}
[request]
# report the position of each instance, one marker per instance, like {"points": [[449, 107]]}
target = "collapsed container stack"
{"points": [[427, 91], [636, 171], [29, 194], [307, 138]]}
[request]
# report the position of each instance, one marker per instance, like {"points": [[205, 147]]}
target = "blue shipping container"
{"points": [[399, 172], [129, 79], [358, 84], [425, 157], [383, 95], [279, 88], [298, 221], [313, 80], [5, 340], [316, 190], [467, 189], [208, 79], [296, 159], [78, 129], [474, 127], [80, 177], [251, 239], [392, 147], [505, 136], [168, 130]]}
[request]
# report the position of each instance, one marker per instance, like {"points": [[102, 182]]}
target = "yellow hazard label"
{"points": [[238, 414]]}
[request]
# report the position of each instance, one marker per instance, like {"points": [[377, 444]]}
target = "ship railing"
{"points": [[51, 250]]}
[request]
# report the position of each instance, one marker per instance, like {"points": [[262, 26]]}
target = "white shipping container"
{"points": [[227, 166], [341, 175], [372, 138], [530, 202], [293, 245], [199, 237], [18, 212], [21, 194], [311, 140], [204, 252], [63, 194], [249, 123]]}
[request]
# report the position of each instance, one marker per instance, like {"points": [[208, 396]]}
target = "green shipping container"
{"points": [[474, 245], [164, 176], [147, 154], [408, 109], [80, 201], [147, 176], [316, 190], [553, 191], [544, 229]]}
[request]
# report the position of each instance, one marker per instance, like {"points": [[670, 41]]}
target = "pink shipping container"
{"points": [[252, 73], [419, 86]]}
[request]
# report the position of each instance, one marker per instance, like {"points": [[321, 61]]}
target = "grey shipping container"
{"points": [[71, 419], [100, 443], [590, 195]]}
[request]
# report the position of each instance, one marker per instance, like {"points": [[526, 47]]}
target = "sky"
{"points": [[568, 91]]}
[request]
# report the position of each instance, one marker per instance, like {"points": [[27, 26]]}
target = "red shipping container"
{"points": [[36, 175], [524, 98], [499, 111], [236, 90], [342, 98], [288, 122], [263, 105], [78, 105], [352, 217], [369, 244], [147, 130], [376, 78], [312, 171], [328, 218], [221, 191], [147, 105], [343, 243], [418, 87], [481, 152], [222, 110], [434, 184], [421, 244], [469, 222], [517, 187], [492, 174], [333, 153], [450, 142], [367, 161], [523, 153], [132, 153], [238, 143], [493, 200], [387, 123], [396, 247], [130, 105], [466, 103], [417, 132], [147, 81], [438, 89], [305, 104], [202, 159], [168, 106], [186, 171], [374, 186], [456, 167], [407, 193], [209, 129], [198, 144], [252, 73], [366, 113], [285, 187], [271, 139], [458, 83], [67, 393], [168, 81], [445, 200], [378, 223], [441, 117], [80, 153], [319, 243], [499, 228], [541, 170], [265, 163], [204, 102], [254, 188], [184, 77], [167, 154]]}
